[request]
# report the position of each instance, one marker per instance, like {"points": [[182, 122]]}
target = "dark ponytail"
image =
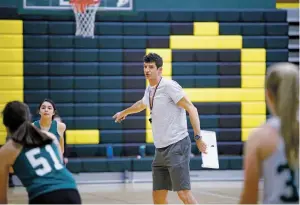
{"points": [[30, 136]]}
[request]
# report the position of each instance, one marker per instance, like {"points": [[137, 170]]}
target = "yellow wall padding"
{"points": [[257, 81], [11, 55], [253, 55], [2, 127], [11, 41], [167, 69], [83, 136], [11, 27], [11, 69], [253, 68], [206, 42], [224, 94], [257, 108], [11, 83], [1, 107], [206, 28], [11, 65], [251, 121], [149, 136], [6, 96], [287, 5], [2, 137]]}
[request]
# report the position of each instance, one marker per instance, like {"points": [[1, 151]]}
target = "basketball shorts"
{"points": [[62, 196], [171, 166]]}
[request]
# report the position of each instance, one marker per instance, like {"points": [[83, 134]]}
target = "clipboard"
{"points": [[211, 159]]}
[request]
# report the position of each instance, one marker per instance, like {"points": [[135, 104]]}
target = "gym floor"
{"points": [[206, 192]]}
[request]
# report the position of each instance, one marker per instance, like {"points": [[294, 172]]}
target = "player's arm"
{"points": [[61, 128], [4, 172], [251, 168], [8, 154]]}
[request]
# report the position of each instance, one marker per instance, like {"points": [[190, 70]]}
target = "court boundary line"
{"points": [[218, 195]]}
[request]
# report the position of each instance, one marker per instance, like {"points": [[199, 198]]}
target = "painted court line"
{"points": [[218, 195]]}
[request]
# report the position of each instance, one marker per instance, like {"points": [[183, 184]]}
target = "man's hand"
{"points": [[119, 116], [201, 146]]}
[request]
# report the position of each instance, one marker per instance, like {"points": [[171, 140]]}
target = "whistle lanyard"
{"points": [[151, 105]]}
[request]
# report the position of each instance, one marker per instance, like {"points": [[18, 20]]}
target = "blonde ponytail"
{"points": [[284, 85], [287, 111]]}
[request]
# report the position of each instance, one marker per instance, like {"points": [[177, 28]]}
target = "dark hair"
{"points": [[153, 58], [17, 117], [53, 105]]}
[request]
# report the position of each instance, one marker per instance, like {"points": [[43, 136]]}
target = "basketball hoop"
{"points": [[85, 12]]}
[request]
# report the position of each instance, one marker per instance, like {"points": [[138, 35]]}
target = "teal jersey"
{"points": [[53, 128], [41, 170]]}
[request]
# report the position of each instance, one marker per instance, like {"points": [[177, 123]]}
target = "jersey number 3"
{"points": [[293, 197], [45, 167]]}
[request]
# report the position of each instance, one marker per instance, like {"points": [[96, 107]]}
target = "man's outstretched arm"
{"points": [[135, 108]]}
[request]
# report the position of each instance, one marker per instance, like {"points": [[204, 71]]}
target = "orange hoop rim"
{"points": [[81, 5]]}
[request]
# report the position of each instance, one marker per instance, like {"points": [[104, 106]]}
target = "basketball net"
{"points": [[85, 12]]}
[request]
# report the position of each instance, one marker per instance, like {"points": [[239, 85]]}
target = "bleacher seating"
{"points": [[293, 20], [218, 57]]}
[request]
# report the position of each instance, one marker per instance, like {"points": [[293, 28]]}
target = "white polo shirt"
{"points": [[169, 123]]}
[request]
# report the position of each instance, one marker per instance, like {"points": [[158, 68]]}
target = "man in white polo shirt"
{"points": [[168, 105]]}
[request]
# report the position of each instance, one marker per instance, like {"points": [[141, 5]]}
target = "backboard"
{"points": [[61, 6]]}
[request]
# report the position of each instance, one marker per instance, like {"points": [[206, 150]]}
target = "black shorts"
{"points": [[63, 196]]}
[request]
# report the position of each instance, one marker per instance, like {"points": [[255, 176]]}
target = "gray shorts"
{"points": [[171, 166]]}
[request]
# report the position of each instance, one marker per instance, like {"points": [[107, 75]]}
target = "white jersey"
{"points": [[280, 183]]}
